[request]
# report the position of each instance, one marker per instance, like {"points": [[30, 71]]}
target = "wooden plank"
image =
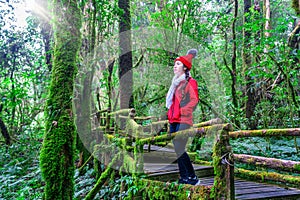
{"points": [[271, 195], [242, 191], [169, 172], [151, 168], [255, 190], [207, 181]]}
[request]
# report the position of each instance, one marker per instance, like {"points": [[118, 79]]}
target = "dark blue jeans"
{"points": [[185, 166]]}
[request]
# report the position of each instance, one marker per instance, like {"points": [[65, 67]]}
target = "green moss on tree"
{"points": [[58, 150], [220, 150]]}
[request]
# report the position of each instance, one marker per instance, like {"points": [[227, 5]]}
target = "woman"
{"points": [[181, 100]]}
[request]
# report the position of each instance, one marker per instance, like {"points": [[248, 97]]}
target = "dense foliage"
{"points": [[161, 30]]}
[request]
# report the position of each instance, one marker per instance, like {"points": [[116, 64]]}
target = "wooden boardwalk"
{"points": [[244, 190], [168, 171]]}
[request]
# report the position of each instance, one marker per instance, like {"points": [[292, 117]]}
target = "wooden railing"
{"points": [[270, 163], [135, 136]]}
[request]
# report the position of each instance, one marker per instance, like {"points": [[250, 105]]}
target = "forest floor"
{"points": [[20, 175]]}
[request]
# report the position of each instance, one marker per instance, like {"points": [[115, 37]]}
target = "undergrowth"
{"points": [[19, 168], [20, 175]]}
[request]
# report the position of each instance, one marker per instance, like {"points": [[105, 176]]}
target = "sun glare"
{"points": [[21, 15], [25, 8], [37, 8]]}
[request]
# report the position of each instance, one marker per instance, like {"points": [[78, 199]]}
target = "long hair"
{"points": [[187, 78], [187, 74]]}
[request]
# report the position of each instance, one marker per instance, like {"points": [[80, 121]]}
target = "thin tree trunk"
{"points": [[233, 72], [109, 91], [125, 59], [268, 21], [12, 126], [84, 100], [58, 151], [268, 18], [4, 130], [250, 92], [233, 60]]}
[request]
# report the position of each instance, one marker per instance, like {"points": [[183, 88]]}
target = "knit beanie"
{"points": [[187, 59]]}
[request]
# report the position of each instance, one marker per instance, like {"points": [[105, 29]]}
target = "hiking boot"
{"points": [[193, 181], [183, 181]]}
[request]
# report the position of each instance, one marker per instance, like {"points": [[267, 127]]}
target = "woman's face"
{"points": [[178, 68]]}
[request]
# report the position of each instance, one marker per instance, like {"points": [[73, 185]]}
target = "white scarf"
{"points": [[175, 82]]}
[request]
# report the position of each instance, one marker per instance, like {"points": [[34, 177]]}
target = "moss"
{"points": [[58, 150], [150, 189], [219, 189], [266, 133], [269, 177], [184, 133], [202, 162], [106, 174], [297, 167]]}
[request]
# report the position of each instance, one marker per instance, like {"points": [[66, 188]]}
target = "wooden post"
{"points": [[107, 127], [135, 130], [107, 124], [230, 176], [223, 187]]}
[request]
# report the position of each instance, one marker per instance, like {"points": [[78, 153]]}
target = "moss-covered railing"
{"points": [[131, 141], [280, 165]]}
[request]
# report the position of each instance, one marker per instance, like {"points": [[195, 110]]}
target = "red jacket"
{"points": [[184, 114]]}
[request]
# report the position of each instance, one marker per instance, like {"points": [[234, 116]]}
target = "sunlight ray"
{"points": [[38, 8]]}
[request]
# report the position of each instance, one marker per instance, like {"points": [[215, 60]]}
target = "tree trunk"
{"points": [[268, 18], [268, 21], [84, 99], [83, 119], [58, 150], [125, 59], [294, 42], [250, 91], [233, 72], [4, 130]]}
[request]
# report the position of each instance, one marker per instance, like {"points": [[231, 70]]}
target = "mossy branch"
{"points": [[188, 132], [279, 164], [265, 133], [268, 176], [293, 34], [119, 142], [119, 112], [106, 174], [208, 123]]}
